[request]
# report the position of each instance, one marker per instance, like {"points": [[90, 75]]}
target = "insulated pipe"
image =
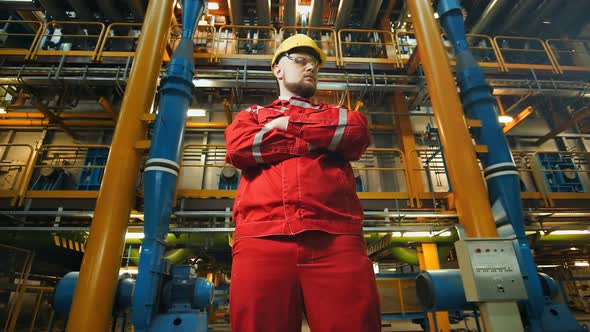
{"points": [[520, 10], [473, 208], [162, 168], [94, 297], [235, 12], [317, 13], [290, 13], [263, 12], [370, 15], [343, 15], [494, 8]]}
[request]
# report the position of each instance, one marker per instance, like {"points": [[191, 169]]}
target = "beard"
{"points": [[302, 89]]}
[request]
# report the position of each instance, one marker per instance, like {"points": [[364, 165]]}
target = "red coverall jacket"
{"points": [[299, 179]]}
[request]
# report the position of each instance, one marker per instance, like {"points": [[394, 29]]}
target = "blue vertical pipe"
{"points": [[162, 168], [499, 169]]}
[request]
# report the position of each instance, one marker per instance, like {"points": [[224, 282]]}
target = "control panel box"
{"points": [[489, 270]]}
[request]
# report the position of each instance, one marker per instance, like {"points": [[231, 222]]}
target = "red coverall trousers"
{"points": [[275, 278]]}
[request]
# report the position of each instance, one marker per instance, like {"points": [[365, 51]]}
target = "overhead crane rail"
{"points": [[99, 43]]}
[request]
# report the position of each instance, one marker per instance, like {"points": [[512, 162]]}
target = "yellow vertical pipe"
{"points": [[408, 144], [473, 207], [429, 260], [94, 296]]}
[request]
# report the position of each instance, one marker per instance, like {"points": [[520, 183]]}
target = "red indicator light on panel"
{"points": [[478, 250]]}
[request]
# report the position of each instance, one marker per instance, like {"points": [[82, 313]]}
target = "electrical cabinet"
{"points": [[489, 270]]}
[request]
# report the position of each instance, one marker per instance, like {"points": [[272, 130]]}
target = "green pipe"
{"points": [[174, 256], [406, 255], [410, 255], [563, 239], [372, 237], [217, 241]]}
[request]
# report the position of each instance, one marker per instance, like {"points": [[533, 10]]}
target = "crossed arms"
{"points": [[253, 140]]}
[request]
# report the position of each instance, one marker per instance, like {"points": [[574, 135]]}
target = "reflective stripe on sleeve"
{"points": [[257, 143], [339, 132]]}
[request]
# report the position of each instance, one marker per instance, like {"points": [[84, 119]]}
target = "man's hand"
{"points": [[278, 123]]}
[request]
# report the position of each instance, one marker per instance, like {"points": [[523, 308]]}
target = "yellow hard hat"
{"points": [[295, 41]]}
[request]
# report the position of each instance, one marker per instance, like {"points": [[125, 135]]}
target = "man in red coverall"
{"points": [[299, 240]]}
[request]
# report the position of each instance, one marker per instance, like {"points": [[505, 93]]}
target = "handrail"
{"points": [[69, 52], [63, 156], [434, 153], [328, 42], [383, 50], [371, 156], [203, 40], [245, 41], [556, 55], [205, 156], [529, 165], [508, 53], [15, 50], [568, 54], [485, 61], [404, 50], [102, 53], [16, 188]]}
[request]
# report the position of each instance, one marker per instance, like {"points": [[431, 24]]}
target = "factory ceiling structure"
{"points": [[67, 70]]}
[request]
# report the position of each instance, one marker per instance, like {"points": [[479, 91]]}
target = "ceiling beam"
{"points": [[53, 118], [577, 116]]}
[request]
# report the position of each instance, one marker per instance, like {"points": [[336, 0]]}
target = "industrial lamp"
{"points": [[503, 118]]}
